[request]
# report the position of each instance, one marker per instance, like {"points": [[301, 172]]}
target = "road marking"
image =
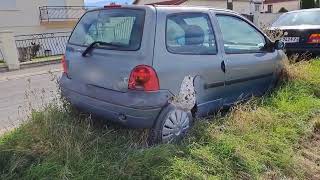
{"points": [[20, 76]]}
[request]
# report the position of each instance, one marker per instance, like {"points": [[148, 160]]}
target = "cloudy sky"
{"points": [[104, 2]]}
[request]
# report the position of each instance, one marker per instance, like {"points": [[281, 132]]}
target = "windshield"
{"points": [[298, 18], [121, 27]]}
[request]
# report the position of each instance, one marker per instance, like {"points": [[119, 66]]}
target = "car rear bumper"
{"points": [[301, 50], [134, 109]]}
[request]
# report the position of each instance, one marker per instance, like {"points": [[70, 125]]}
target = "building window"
{"points": [[7, 4], [257, 7], [270, 9]]}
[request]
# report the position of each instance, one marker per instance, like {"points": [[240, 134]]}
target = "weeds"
{"points": [[316, 126], [264, 138]]}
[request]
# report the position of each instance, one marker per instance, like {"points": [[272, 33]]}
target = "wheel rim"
{"points": [[176, 124]]}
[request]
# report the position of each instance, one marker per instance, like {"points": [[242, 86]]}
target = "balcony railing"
{"points": [[61, 13]]}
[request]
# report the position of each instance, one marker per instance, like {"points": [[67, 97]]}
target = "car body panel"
{"points": [[132, 108], [209, 81], [111, 69], [247, 74]]}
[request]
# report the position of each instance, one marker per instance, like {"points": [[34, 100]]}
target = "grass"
{"points": [[2, 62], [36, 60], [260, 139], [43, 59]]}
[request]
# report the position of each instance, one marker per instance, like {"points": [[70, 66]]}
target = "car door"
{"points": [[186, 45], [249, 68]]}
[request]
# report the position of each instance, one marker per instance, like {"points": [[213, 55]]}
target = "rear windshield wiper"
{"points": [[92, 45]]}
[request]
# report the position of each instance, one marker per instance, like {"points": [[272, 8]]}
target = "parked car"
{"points": [[160, 67], [301, 30]]}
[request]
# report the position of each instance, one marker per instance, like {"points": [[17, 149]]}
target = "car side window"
{"points": [[190, 33], [239, 36]]}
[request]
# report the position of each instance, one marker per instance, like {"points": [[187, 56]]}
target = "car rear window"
{"points": [[122, 27], [298, 18]]}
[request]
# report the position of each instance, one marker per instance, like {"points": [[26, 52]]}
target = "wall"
{"points": [[24, 14], [215, 4], [266, 19], [24, 18], [289, 5], [74, 2], [241, 6], [141, 2], [7, 5], [238, 6]]}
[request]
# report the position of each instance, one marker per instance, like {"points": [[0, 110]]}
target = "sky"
{"points": [[105, 2]]}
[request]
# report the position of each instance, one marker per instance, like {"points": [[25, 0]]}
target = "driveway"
{"points": [[23, 89]]}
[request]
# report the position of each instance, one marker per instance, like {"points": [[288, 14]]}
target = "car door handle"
{"points": [[223, 66]]}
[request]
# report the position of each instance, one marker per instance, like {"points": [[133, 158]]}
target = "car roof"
{"points": [[164, 7], [303, 10], [172, 7]]}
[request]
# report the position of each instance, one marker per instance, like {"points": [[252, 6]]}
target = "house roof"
{"points": [[178, 2], [168, 2], [276, 1]]}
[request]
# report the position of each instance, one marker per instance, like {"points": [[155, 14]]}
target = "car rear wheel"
{"points": [[171, 126]]}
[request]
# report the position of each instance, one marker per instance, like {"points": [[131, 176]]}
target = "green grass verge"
{"points": [[43, 59], [2, 62], [255, 140], [36, 60], [49, 58]]}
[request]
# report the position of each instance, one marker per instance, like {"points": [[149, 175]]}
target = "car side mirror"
{"points": [[279, 45]]}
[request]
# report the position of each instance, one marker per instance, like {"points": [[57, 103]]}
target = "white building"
{"points": [[33, 29], [39, 16], [273, 6], [241, 6]]}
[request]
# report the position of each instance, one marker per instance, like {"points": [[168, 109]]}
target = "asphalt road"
{"points": [[25, 89]]}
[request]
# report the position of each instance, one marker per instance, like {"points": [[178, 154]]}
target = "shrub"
{"points": [[308, 4], [283, 10]]}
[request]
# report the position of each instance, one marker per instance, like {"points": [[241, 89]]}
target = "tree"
{"points": [[307, 4]]}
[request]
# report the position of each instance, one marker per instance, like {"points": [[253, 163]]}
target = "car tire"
{"points": [[171, 126]]}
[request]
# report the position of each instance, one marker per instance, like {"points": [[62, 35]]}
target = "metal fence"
{"points": [[61, 13], [41, 45]]}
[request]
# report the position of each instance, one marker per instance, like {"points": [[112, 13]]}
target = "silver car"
{"points": [[160, 67]]}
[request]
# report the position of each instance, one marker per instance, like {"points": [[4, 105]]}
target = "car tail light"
{"points": [[314, 39], [64, 65], [144, 78]]}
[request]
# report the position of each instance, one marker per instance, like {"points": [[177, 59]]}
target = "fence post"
{"points": [[9, 50]]}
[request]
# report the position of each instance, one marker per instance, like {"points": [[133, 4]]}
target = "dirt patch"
{"points": [[309, 153]]}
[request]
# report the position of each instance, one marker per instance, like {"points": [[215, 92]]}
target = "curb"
{"points": [[37, 64], [20, 76], [31, 64], [3, 69]]}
